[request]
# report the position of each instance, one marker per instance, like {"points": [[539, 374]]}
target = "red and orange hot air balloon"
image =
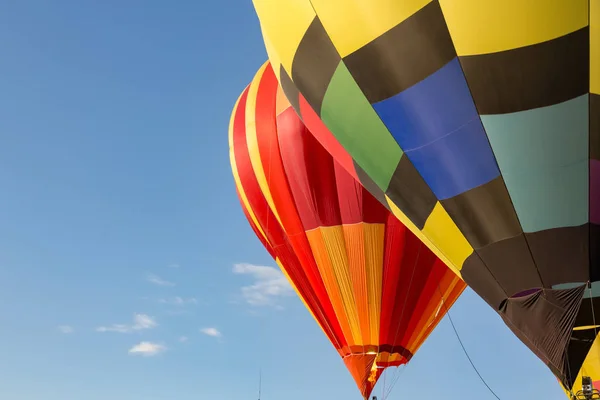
{"points": [[374, 288]]}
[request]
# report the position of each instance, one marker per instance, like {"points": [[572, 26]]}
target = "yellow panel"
{"points": [[333, 238], [591, 365], [446, 236], [354, 237], [595, 46], [324, 264], [272, 55], [484, 26], [284, 23], [252, 141], [351, 24], [423, 237], [236, 176], [374, 249]]}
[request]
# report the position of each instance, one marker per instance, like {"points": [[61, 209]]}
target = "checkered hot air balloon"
{"points": [[477, 122]]}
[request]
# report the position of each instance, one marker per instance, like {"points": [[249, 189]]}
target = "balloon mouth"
{"points": [[525, 293]]}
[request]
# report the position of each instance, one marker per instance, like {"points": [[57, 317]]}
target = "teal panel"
{"points": [[543, 158], [593, 292]]}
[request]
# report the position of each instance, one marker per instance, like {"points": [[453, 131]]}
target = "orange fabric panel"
{"points": [[434, 309], [355, 245], [360, 368], [324, 264], [374, 244]]}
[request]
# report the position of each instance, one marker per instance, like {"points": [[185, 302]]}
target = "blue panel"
{"points": [[429, 110], [436, 124], [457, 162]]}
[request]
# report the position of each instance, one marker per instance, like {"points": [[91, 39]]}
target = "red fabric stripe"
{"points": [[355, 203], [275, 234], [414, 270], [392, 267], [429, 290], [310, 173], [255, 228], [269, 131], [325, 137], [268, 147]]}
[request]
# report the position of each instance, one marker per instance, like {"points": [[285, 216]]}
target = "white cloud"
{"points": [[147, 349], [269, 284], [183, 339], [174, 265], [178, 301], [214, 332], [140, 322], [66, 329], [157, 280]]}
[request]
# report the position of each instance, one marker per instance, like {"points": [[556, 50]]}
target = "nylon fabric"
{"points": [[334, 241], [476, 123], [374, 235]]}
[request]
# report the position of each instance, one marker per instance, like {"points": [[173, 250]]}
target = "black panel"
{"points": [[485, 214], [314, 64], [478, 277], [410, 193], [512, 265], [594, 253], [561, 254], [403, 56], [544, 322], [530, 77], [290, 90]]}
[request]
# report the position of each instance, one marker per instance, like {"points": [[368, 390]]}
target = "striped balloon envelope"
{"points": [[375, 290], [477, 122]]}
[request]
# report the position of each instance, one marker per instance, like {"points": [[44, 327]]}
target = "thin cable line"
{"points": [[463, 347]]}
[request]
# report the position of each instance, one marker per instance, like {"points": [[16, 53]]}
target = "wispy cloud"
{"points": [[174, 265], [178, 301], [140, 322], [183, 339], [147, 349], [66, 329], [269, 284], [157, 280], [214, 332]]}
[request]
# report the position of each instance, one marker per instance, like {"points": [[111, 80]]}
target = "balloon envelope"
{"points": [[374, 288], [478, 124]]}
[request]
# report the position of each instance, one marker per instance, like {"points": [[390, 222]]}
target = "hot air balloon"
{"points": [[478, 124], [375, 290]]}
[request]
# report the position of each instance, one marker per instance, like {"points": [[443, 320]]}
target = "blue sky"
{"points": [[120, 230]]}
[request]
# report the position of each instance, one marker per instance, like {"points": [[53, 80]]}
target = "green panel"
{"points": [[543, 157], [352, 120]]}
